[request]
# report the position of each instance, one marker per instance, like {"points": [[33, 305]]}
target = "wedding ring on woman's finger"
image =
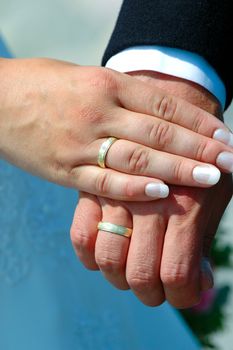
{"points": [[104, 148], [117, 229]]}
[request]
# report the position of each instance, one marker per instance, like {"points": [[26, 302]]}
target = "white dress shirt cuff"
{"points": [[172, 61]]}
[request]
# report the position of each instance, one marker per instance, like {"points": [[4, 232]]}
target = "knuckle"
{"points": [[80, 239], [199, 121], [176, 277], [102, 182], [109, 264], [129, 190], [142, 282], [167, 107], [174, 280], [202, 150], [138, 160], [178, 170], [105, 79], [161, 134]]}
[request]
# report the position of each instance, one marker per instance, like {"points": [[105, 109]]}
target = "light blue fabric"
{"points": [[48, 301]]}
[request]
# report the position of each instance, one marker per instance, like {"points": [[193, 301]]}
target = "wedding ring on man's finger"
{"points": [[117, 229], [104, 148]]}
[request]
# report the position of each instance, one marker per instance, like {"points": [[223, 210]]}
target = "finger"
{"points": [[129, 157], [112, 184], [144, 256], [223, 191], [182, 251], [111, 249], [171, 138], [180, 274], [132, 158], [84, 229], [157, 102]]}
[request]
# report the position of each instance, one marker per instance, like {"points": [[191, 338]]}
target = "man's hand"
{"points": [[170, 236]]}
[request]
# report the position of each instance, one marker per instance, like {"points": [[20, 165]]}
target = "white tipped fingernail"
{"points": [[225, 161], [156, 190], [223, 136], [206, 174]]}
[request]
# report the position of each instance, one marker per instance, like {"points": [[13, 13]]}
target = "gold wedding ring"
{"points": [[104, 148], [117, 229]]}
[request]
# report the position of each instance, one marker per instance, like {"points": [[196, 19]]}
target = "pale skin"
{"points": [[55, 115], [170, 236]]}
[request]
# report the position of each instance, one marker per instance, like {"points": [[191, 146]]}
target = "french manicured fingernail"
{"points": [[225, 161], [156, 190], [208, 274], [206, 174], [224, 136]]}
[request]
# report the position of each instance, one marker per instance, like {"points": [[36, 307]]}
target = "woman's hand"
{"points": [[167, 256], [54, 117]]}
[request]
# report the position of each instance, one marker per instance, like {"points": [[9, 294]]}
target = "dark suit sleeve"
{"points": [[201, 26]]}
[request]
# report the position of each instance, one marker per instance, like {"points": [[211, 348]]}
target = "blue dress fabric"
{"points": [[47, 299]]}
